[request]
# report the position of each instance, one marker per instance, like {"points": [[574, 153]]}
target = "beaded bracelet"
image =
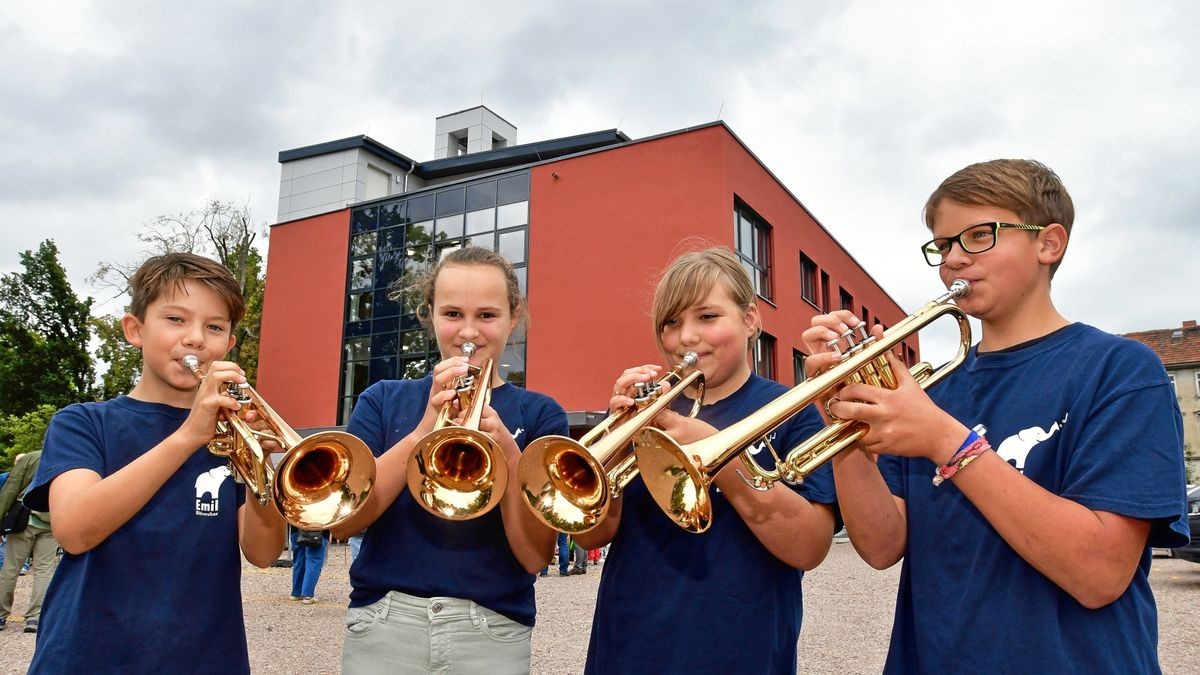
{"points": [[973, 447]]}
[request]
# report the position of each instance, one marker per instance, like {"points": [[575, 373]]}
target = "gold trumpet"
{"points": [[678, 477], [568, 484], [318, 483], [457, 472]]}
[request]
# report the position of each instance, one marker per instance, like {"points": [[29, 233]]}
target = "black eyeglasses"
{"points": [[974, 239]]}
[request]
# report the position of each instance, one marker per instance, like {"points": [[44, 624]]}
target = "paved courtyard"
{"points": [[847, 618]]}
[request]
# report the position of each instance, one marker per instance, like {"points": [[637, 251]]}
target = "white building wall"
{"points": [[478, 125], [315, 185]]}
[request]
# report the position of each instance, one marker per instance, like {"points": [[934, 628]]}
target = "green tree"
{"points": [[123, 359], [44, 333], [223, 231], [23, 433], [245, 352]]}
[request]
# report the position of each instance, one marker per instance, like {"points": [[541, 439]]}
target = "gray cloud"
{"points": [[125, 113]]}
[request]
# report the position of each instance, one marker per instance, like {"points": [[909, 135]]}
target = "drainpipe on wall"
{"points": [[411, 168]]}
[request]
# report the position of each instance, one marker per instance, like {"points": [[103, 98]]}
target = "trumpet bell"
{"points": [[564, 484], [673, 480], [457, 473], [323, 480]]}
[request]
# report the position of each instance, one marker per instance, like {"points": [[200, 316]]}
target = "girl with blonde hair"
{"points": [[727, 600]]}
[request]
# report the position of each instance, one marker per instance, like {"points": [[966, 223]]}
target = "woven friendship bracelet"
{"points": [[974, 446]]}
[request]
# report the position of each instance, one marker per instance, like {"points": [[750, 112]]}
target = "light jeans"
{"points": [[404, 633], [41, 544]]}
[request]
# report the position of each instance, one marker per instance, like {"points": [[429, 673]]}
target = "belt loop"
{"points": [[476, 616], [385, 608]]}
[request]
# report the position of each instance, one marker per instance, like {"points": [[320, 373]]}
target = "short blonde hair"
{"points": [[1026, 187], [692, 276]]}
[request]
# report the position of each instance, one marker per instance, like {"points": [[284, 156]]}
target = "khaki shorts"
{"points": [[404, 633]]}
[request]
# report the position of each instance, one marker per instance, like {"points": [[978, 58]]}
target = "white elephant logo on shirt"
{"points": [[208, 487], [1015, 449]]}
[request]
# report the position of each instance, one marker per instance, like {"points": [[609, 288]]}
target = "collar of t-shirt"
{"points": [[1029, 343]]}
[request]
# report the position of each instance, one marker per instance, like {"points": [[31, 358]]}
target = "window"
{"points": [[753, 236], [1171, 379], [824, 292], [1198, 383], [382, 337], [764, 356], [866, 316], [798, 374], [845, 299], [808, 279]]}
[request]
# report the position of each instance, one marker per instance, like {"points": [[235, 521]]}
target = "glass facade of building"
{"points": [[394, 240]]}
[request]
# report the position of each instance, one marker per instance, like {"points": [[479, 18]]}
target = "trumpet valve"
{"points": [[645, 392]]}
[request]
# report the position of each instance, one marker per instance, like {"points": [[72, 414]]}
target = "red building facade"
{"points": [[589, 233]]}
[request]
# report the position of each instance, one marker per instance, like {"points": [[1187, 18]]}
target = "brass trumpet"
{"points": [[568, 484], [318, 483], [457, 472], [678, 477]]}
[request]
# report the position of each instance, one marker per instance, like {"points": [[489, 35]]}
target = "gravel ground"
{"points": [[847, 618]]}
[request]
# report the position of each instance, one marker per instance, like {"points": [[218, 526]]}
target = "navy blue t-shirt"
{"points": [[413, 551], [1088, 416], [163, 592], [671, 601]]}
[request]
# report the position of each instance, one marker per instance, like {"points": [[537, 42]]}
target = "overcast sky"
{"points": [[114, 113]]}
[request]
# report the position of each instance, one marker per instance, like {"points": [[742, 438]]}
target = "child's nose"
{"points": [[194, 337], [689, 333], [957, 256]]}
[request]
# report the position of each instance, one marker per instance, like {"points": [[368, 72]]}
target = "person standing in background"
{"points": [[308, 559], [34, 540]]}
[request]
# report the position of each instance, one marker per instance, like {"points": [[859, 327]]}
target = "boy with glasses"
{"points": [[1024, 491]]}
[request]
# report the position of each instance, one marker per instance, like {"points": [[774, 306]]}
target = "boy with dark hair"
{"points": [[1033, 556], [150, 520]]}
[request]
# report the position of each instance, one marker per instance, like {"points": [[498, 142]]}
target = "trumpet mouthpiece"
{"points": [[191, 362], [468, 349], [960, 288], [690, 359]]}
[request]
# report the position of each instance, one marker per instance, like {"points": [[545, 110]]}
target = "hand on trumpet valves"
{"points": [[903, 421], [491, 424], [212, 400], [831, 339], [625, 387], [441, 392]]}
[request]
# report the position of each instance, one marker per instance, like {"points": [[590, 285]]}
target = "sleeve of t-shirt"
{"points": [[893, 469], [366, 421], [1129, 458], [818, 485], [73, 441], [551, 419]]}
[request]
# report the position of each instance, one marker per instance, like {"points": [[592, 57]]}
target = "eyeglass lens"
{"points": [[974, 239]]}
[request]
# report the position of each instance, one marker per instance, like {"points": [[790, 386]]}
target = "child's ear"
{"points": [[133, 330], [1052, 243], [752, 320]]}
